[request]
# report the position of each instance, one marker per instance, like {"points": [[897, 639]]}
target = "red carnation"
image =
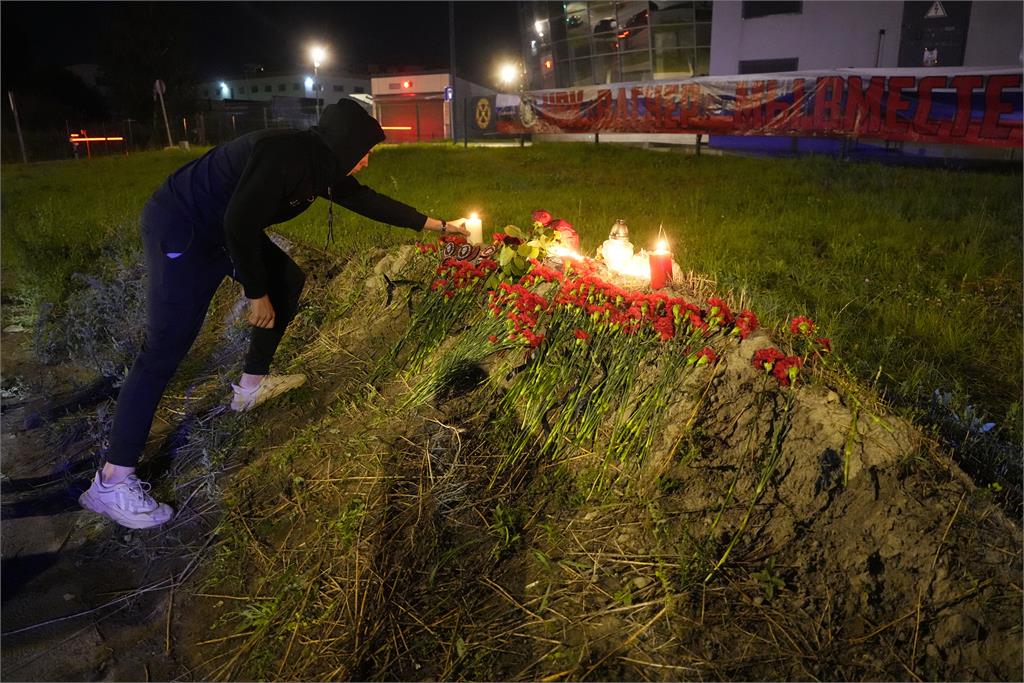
{"points": [[493, 339], [665, 327], [787, 369], [825, 343], [581, 335], [706, 355], [802, 325], [765, 359], [697, 322], [719, 309], [746, 322], [543, 217]]}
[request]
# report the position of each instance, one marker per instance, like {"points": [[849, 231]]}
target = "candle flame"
{"points": [[662, 246], [474, 217]]}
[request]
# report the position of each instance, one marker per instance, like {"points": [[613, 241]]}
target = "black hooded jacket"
{"points": [[238, 189]]}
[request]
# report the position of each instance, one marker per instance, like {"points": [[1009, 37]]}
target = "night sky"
{"points": [[224, 36]]}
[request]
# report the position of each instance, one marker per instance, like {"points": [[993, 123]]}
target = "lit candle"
{"points": [[661, 265], [617, 254], [475, 229]]}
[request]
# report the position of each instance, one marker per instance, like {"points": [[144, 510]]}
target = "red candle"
{"points": [[661, 267]]}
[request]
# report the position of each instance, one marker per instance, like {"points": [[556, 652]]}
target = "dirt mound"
{"points": [[453, 512], [453, 498]]}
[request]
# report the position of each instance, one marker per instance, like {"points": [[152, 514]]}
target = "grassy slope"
{"points": [[917, 272]]}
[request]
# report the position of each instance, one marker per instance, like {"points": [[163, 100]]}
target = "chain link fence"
{"points": [[211, 124]]}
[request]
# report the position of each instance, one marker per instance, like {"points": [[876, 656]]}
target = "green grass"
{"points": [[57, 215], [916, 272]]}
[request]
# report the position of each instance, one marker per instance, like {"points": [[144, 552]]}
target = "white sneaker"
{"points": [[268, 388], [127, 502]]}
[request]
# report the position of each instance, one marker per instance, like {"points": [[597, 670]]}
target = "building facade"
{"points": [[592, 43], [420, 107], [761, 37], [263, 87]]}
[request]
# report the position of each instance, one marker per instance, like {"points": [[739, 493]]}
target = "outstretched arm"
{"points": [[348, 192], [366, 202]]}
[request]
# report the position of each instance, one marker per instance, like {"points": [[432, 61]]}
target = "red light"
{"points": [[406, 84], [84, 137]]}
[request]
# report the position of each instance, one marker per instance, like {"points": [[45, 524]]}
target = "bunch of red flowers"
{"points": [[626, 311], [521, 308], [456, 275], [784, 368]]}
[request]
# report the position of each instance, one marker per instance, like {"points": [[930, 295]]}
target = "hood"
{"points": [[348, 131]]}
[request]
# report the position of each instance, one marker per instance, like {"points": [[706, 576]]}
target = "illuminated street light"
{"points": [[509, 73], [318, 54], [309, 83]]}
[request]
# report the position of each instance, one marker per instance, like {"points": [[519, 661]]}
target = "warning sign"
{"points": [[937, 11]]}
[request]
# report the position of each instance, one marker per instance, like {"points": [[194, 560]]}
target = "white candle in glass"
{"points": [[617, 254], [475, 228]]}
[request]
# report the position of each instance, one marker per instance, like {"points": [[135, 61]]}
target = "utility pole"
{"points": [[17, 125], [316, 88], [451, 69], [158, 91]]}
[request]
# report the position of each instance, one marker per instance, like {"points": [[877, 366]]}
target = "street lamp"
{"points": [[317, 53], [509, 73]]}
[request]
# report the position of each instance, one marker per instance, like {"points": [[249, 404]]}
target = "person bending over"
{"points": [[207, 222]]}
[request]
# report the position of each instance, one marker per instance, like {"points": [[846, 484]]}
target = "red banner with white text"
{"points": [[960, 106]]}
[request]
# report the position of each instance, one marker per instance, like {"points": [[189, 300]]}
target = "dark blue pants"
{"points": [[185, 269]]}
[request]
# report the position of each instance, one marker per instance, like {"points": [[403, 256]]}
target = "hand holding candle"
{"points": [[661, 265]]}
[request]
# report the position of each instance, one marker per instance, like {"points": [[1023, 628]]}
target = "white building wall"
{"points": [[420, 84], [831, 35], [243, 87], [826, 35], [995, 36]]}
